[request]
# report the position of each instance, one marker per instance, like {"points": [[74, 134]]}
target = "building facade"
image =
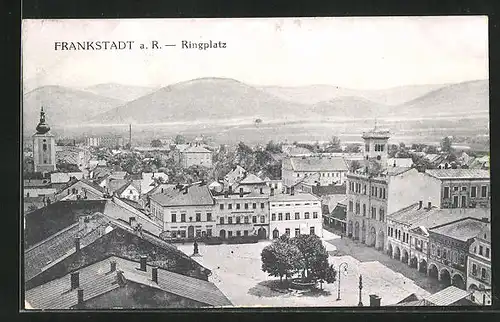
{"points": [[242, 214], [463, 188], [330, 170], [185, 212], [449, 249], [375, 190], [195, 155], [44, 147], [294, 214], [479, 267]]}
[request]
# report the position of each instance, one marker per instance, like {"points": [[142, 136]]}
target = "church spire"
{"points": [[42, 127]]}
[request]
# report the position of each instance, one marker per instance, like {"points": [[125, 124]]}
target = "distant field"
{"points": [[423, 130]]}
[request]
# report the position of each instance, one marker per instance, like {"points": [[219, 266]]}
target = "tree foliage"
{"points": [[313, 253], [179, 139], [446, 144], [281, 258], [156, 143], [353, 148]]}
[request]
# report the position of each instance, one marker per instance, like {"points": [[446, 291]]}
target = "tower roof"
{"points": [[377, 134], [42, 127]]}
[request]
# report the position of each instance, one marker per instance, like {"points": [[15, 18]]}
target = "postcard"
{"points": [[256, 163]]}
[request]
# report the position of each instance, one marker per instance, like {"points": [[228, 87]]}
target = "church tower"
{"points": [[376, 145], [44, 147]]}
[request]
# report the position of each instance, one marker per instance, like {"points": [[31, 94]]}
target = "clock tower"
{"points": [[44, 147]]}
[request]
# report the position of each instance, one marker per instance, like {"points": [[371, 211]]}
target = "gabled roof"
{"points": [[459, 173], [317, 164], [120, 190], [251, 179], [195, 195], [97, 279]]}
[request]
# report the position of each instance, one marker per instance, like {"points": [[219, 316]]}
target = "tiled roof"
{"points": [[314, 164], [298, 196], [459, 173], [448, 296], [251, 179], [196, 195], [463, 229], [97, 279], [415, 217]]}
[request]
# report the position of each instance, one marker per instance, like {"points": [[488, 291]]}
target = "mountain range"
{"points": [[223, 98]]}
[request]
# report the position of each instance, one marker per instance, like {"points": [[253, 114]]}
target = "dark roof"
{"points": [[97, 279], [120, 190], [44, 222], [339, 213], [113, 185], [415, 217], [339, 190], [459, 173], [196, 195], [463, 229]]}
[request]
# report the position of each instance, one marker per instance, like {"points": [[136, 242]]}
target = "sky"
{"points": [[350, 52]]}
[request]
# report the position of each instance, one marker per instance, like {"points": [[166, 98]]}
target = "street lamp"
{"points": [[344, 266], [360, 287]]}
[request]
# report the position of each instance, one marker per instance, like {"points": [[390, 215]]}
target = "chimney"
{"points": [[143, 263], [186, 190], [261, 191], [429, 205], [77, 244], [154, 274], [292, 191], [272, 191], [420, 204], [131, 221], [241, 192], [226, 194], [112, 266], [485, 219], [287, 190], [374, 300], [230, 189], [75, 280], [80, 296]]}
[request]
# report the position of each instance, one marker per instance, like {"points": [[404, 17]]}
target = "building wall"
{"points": [[188, 159], [37, 192], [257, 217], [292, 207], [410, 187], [131, 193], [185, 220], [137, 296], [454, 190], [44, 160], [480, 257], [456, 255], [89, 192]]}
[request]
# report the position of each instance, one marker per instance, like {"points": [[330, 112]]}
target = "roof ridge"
{"points": [[51, 237]]}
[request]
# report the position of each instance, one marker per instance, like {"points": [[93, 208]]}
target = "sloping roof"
{"points": [[120, 190], [298, 196], [395, 171], [459, 173], [314, 164], [448, 296], [463, 229], [195, 149], [251, 179], [416, 217], [196, 195], [97, 279], [44, 222], [114, 184], [400, 162]]}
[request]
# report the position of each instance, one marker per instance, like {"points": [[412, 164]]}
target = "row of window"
{"points": [[246, 205], [473, 191], [322, 174], [444, 253], [483, 251], [484, 272], [396, 233], [297, 231], [239, 219], [373, 214], [378, 192], [197, 217], [296, 216], [199, 233], [295, 204]]}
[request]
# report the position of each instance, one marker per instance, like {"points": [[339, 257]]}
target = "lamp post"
{"points": [[360, 287], [342, 265]]}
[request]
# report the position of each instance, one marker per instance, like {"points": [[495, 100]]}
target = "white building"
{"points": [[185, 212], [234, 176], [330, 170], [128, 191], [148, 180], [479, 267], [294, 214]]}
